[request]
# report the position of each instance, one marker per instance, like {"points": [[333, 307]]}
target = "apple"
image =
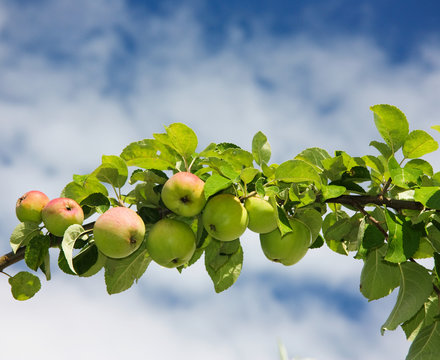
{"points": [[183, 194], [287, 249], [224, 217], [262, 215], [60, 213], [30, 205], [119, 232], [171, 243]]}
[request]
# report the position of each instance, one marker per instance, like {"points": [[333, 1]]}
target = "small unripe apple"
{"points": [[119, 232], [60, 213], [171, 243], [224, 217], [262, 216], [30, 205], [183, 194], [287, 249]]}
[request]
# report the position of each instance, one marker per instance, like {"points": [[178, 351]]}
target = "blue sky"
{"points": [[80, 79]]}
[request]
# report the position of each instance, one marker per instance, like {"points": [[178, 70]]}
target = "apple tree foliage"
{"points": [[382, 209]]}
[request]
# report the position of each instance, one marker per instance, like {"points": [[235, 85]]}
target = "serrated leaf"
{"points": [[36, 251], [374, 163], [426, 344], [113, 170], [424, 317], [149, 154], [83, 186], [332, 191], [314, 156], [183, 138], [403, 177], [403, 238], [415, 287], [214, 184], [24, 285], [120, 274], [297, 171], [223, 266], [391, 124], [149, 176], [248, 174], [384, 149], [421, 165], [260, 148], [429, 196], [418, 143], [72, 234], [378, 277], [22, 234], [97, 201]]}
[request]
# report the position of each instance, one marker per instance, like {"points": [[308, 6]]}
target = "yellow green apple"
{"points": [[171, 243], [30, 205], [60, 213], [119, 232], [262, 215], [224, 217], [287, 249], [183, 194]]}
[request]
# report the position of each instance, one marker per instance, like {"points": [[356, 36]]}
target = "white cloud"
{"points": [[58, 117]]}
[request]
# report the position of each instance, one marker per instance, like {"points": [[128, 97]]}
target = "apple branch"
{"points": [[355, 201]]}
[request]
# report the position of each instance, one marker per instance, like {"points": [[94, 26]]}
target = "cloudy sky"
{"points": [[79, 79]]}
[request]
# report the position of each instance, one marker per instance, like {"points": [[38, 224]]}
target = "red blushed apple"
{"points": [[183, 194], [60, 213], [30, 205], [119, 232]]}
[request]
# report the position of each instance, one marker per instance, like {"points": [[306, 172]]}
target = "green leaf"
{"points": [[113, 170], [332, 191], [297, 171], [36, 251], [282, 220], [215, 183], [403, 177], [248, 174], [424, 317], [120, 274], [24, 285], [182, 138], [223, 262], [374, 163], [384, 149], [237, 158], [391, 124], [83, 186], [45, 266], [426, 344], [421, 165], [149, 176], [22, 234], [149, 154], [429, 196], [403, 238], [314, 156], [97, 202], [372, 237], [378, 277], [72, 234], [260, 148], [418, 143], [335, 227], [415, 287]]}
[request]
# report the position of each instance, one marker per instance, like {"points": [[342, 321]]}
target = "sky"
{"points": [[79, 79]]}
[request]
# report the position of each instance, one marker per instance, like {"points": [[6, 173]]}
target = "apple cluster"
{"points": [[57, 214], [171, 242]]}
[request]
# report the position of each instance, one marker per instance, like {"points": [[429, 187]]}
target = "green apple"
{"points": [[224, 217], [262, 215], [30, 205], [171, 243], [183, 194], [287, 249], [119, 232], [60, 213]]}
